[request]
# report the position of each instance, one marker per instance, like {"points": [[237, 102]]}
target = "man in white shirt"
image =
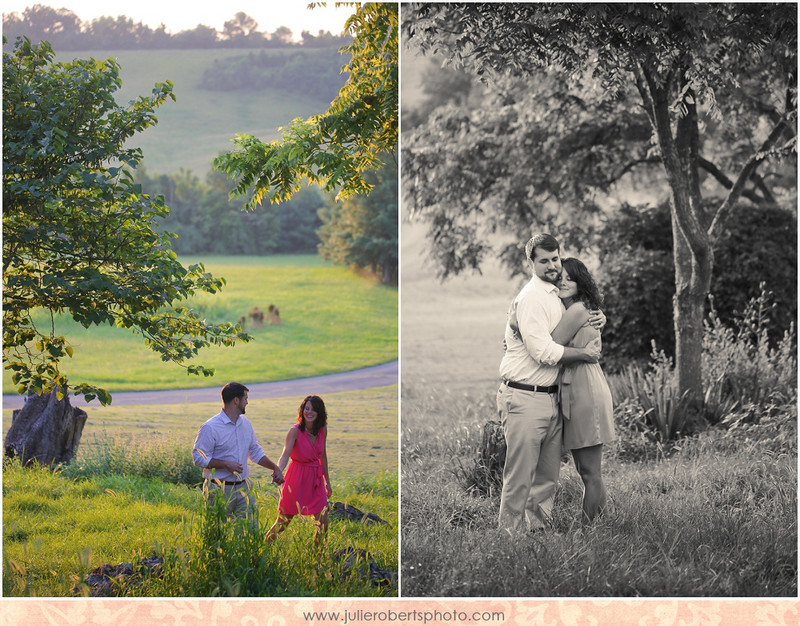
{"points": [[222, 448], [527, 400]]}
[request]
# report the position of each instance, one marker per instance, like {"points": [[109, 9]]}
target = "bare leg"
{"points": [[587, 462], [279, 526], [320, 526]]}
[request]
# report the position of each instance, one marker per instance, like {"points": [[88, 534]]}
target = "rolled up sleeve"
{"points": [[534, 326], [254, 451], [203, 447]]}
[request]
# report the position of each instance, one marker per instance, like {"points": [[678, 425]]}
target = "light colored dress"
{"points": [[585, 399], [303, 492]]}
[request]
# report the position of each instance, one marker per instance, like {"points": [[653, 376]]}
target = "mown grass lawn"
{"points": [[205, 121], [332, 321]]}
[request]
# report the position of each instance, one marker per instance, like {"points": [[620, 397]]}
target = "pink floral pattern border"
{"points": [[313, 612]]}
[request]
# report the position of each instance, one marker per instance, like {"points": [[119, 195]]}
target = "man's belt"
{"points": [[234, 482], [534, 388]]}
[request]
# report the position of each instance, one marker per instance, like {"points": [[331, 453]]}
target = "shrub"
{"points": [[655, 391], [635, 250], [739, 366]]}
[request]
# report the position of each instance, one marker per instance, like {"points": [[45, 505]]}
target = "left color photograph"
{"points": [[200, 300]]}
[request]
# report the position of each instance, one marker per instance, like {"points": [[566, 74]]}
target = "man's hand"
{"points": [[593, 350], [597, 319], [233, 467], [277, 476]]}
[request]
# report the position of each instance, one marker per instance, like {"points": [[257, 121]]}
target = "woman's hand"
{"points": [[597, 319], [328, 490]]}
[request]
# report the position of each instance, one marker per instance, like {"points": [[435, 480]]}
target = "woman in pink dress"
{"points": [[584, 396], [307, 485]]}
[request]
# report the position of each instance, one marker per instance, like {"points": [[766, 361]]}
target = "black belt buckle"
{"points": [[533, 388]]}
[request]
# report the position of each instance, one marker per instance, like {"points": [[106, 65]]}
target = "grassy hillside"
{"points": [[193, 130], [332, 321]]}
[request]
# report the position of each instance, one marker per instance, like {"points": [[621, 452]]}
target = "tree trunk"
{"points": [[692, 283], [46, 430], [692, 251]]}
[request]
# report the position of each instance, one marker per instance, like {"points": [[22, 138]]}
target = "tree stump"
{"points": [[46, 430]]}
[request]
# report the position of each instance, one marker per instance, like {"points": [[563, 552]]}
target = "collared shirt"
{"points": [[219, 438], [531, 356]]}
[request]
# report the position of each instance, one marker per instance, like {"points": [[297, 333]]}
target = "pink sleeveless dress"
{"points": [[303, 492]]}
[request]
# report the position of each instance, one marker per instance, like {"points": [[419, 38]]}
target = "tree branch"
{"points": [[726, 182], [747, 171]]}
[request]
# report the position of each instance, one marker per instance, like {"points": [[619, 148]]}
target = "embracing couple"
{"points": [[226, 442], [553, 391]]}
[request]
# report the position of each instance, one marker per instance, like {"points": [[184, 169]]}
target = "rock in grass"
{"points": [[347, 511], [358, 562], [110, 580]]}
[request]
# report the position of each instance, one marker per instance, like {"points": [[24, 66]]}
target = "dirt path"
{"points": [[375, 376]]}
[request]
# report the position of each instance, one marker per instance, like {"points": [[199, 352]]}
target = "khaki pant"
{"points": [[532, 427], [239, 502]]}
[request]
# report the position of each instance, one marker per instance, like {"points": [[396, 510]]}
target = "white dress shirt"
{"points": [[219, 438], [531, 356]]}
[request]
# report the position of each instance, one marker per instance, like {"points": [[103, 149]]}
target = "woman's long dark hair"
{"points": [[588, 292], [322, 415]]}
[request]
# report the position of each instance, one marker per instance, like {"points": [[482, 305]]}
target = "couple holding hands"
{"points": [[226, 442]]}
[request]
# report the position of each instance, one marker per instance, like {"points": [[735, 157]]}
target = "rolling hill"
{"points": [[193, 130]]}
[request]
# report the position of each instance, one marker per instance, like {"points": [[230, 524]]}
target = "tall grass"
{"points": [[655, 391], [741, 368], [159, 458], [712, 519], [132, 492], [742, 374], [57, 528], [711, 514], [220, 557]]}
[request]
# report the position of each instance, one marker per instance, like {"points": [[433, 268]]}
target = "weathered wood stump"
{"points": [[46, 430]]}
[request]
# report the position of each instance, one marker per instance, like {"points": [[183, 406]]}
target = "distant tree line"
{"points": [[362, 229], [206, 221], [360, 232], [66, 31], [312, 73]]}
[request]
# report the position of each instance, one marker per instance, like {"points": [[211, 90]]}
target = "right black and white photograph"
{"points": [[598, 290]]}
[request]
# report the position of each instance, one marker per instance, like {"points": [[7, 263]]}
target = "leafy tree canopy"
{"points": [[362, 230], [78, 234], [335, 148], [564, 121], [65, 31], [677, 59]]}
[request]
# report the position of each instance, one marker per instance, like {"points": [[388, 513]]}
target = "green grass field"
{"points": [[56, 528], [132, 491], [332, 321], [200, 124]]}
